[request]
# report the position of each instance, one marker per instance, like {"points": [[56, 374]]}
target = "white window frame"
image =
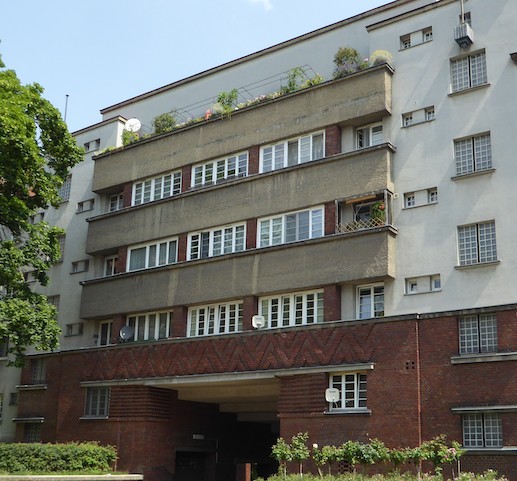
{"points": [[469, 71], [369, 135], [104, 333], [436, 283], [214, 319], [80, 266], [427, 34], [477, 244], [290, 152], [478, 334], [409, 200], [376, 292], [110, 265], [291, 227], [473, 154], [150, 326], [407, 119], [152, 254], [405, 41], [352, 387], [432, 195], [430, 113], [219, 170], [85, 206], [74, 329], [482, 430], [116, 202], [217, 241], [155, 188], [97, 402], [292, 309]]}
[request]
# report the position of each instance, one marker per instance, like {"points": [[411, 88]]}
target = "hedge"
{"points": [[16, 458]]}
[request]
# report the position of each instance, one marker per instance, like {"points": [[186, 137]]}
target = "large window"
{"points": [[151, 326], [97, 402], [369, 135], [292, 227], [220, 169], [352, 390], [292, 152], [218, 241], [478, 334], [64, 190], [469, 71], [473, 154], [477, 243], [482, 430], [156, 188], [292, 309], [152, 255], [32, 433], [215, 319], [37, 371], [370, 301]]}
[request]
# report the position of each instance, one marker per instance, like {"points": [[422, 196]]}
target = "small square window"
{"points": [[409, 200], [411, 286], [74, 329], [407, 119], [430, 113], [427, 34], [80, 266], [97, 402], [432, 195], [405, 42]]}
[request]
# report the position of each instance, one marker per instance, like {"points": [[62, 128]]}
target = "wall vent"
{"points": [[464, 35]]}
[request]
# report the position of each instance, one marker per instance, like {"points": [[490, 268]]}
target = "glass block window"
{"points": [[473, 154], [477, 243], [469, 71], [478, 334]]}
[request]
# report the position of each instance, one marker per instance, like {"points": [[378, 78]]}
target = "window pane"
{"points": [[137, 258], [317, 147]]}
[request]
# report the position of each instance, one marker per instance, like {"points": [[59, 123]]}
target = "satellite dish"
{"points": [[133, 125], [258, 322], [126, 332], [332, 395]]}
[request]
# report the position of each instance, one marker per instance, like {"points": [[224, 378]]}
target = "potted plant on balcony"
{"points": [[378, 212]]}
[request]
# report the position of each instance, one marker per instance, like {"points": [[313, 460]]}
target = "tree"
{"points": [[36, 153]]}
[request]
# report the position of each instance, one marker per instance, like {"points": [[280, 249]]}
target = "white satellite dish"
{"points": [[133, 125], [332, 395], [126, 332], [258, 322]]}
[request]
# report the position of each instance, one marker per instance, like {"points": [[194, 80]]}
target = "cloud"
{"points": [[265, 3]]}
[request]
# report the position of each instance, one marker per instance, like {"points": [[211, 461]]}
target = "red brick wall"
{"points": [[330, 218], [332, 303], [127, 194], [186, 174], [121, 262], [253, 159], [251, 233], [332, 140]]}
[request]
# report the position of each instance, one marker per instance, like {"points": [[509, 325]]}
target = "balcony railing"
{"points": [[362, 224]]}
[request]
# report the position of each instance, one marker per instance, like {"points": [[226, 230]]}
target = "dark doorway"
{"points": [[190, 466]]}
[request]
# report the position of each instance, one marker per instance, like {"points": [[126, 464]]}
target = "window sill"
{"points": [[361, 411], [479, 264], [93, 418], [426, 121], [473, 174], [484, 451], [485, 357], [470, 89], [32, 387], [415, 45], [409, 294], [419, 205]]}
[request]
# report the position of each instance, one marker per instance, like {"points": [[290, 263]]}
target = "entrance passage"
{"points": [[190, 466]]}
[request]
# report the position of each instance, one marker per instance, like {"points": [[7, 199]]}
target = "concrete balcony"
{"points": [[355, 257], [306, 185], [354, 100]]}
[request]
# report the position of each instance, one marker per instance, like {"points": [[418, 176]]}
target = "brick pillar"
{"points": [[179, 321], [251, 233], [330, 218], [121, 263], [186, 173], [119, 320], [253, 160], [249, 309], [332, 303], [332, 140], [182, 247], [127, 194]]}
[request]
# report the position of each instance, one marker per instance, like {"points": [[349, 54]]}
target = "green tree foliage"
{"points": [[36, 153]]}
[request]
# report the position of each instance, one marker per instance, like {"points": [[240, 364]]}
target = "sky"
{"points": [[92, 54]]}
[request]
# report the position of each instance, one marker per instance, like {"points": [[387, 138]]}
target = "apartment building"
{"points": [[333, 259]]}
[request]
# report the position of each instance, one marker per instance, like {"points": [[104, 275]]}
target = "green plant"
{"points": [[294, 76], [226, 102], [379, 211], [346, 61], [129, 137], [300, 451], [380, 56], [281, 451], [164, 123]]}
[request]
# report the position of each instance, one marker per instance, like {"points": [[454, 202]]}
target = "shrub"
{"points": [[129, 137], [164, 123], [380, 56], [346, 61]]}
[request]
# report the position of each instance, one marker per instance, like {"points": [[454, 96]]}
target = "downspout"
{"points": [[419, 380]]}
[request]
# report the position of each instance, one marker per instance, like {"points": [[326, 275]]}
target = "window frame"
{"points": [[280, 152], [357, 383], [217, 241], [116, 202], [104, 333], [141, 325], [485, 430], [473, 154], [470, 253], [461, 69], [97, 401], [215, 319], [212, 170], [372, 304], [145, 191], [152, 250], [110, 265], [371, 138], [478, 334]]}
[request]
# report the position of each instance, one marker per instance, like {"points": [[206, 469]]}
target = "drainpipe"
{"points": [[419, 380]]}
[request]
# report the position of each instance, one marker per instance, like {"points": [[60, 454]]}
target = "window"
{"points": [[352, 390], [292, 309], [432, 195], [216, 242], [409, 199], [151, 326], [436, 283], [478, 334], [292, 227], [85, 206], [61, 241], [467, 18], [427, 34], [152, 255], [104, 336], [473, 154], [97, 402], [74, 329], [477, 243], [430, 113], [92, 145], [482, 430], [411, 286], [407, 119], [116, 202], [369, 136], [417, 117], [469, 71], [32, 433], [156, 188], [37, 218], [110, 266], [4, 347], [80, 266], [405, 41], [215, 319], [64, 190], [37, 371], [54, 300], [219, 170], [13, 399], [423, 284], [292, 152], [370, 301]]}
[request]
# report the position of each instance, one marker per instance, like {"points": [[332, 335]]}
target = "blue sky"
{"points": [[100, 52]]}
